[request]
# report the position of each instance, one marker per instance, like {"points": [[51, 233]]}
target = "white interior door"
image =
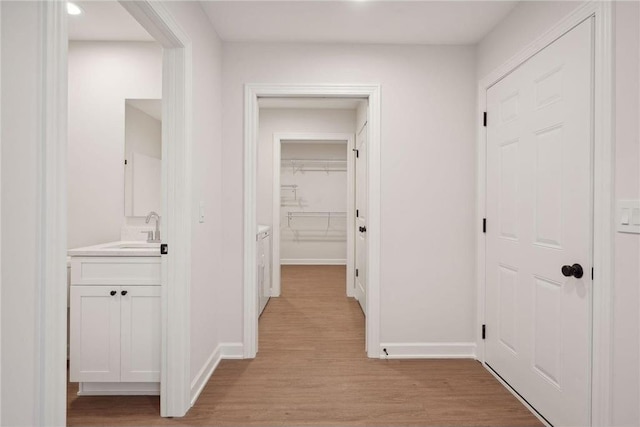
{"points": [[361, 219], [539, 210]]}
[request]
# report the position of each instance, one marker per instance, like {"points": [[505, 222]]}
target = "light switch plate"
{"points": [[628, 216]]}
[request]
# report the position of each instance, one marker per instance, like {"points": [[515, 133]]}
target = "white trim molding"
{"points": [[435, 350], [51, 348], [175, 396], [278, 140], [251, 94], [0, 210], [222, 351], [603, 198], [202, 377]]}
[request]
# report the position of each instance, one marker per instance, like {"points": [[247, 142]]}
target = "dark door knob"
{"points": [[113, 293], [574, 270], [123, 293], [362, 229]]}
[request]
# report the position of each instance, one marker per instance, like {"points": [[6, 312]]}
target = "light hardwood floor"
{"points": [[312, 369]]}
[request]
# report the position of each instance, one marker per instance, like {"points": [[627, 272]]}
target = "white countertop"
{"points": [[120, 249]]}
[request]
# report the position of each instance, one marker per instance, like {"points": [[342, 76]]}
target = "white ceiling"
{"points": [[313, 103], [105, 21], [313, 21], [151, 107], [388, 22]]}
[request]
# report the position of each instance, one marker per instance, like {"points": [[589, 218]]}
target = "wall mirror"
{"points": [[143, 157]]}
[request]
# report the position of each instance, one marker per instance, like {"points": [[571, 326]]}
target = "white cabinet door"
{"points": [[140, 333], [538, 313], [95, 334]]}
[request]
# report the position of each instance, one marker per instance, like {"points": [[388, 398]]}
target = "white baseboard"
{"points": [[310, 261], [232, 350], [223, 351], [437, 350], [201, 379], [118, 389]]}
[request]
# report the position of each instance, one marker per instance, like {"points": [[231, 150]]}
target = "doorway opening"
{"points": [[114, 171], [310, 202], [314, 207], [311, 211], [174, 384]]}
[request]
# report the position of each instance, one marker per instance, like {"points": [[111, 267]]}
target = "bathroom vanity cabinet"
{"points": [[115, 324]]}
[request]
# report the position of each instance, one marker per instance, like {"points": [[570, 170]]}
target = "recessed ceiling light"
{"points": [[73, 9]]}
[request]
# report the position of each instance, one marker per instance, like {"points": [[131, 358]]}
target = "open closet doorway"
{"points": [[259, 93], [308, 244], [314, 207]]}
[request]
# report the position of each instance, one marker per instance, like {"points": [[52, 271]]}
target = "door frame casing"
{"points": [[52, 209], [331, 138], [177, 83], [251, 94], [603, 194]]}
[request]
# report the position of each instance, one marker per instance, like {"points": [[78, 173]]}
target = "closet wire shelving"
{"points": [[328, 215], [334, 219], [314, 165], [328, 231]]}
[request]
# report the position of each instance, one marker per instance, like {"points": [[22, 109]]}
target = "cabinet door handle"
{"points": [[113, 293], [123, 293]]}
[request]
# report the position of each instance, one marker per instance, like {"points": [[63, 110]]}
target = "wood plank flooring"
{"points": [[312, 369]]}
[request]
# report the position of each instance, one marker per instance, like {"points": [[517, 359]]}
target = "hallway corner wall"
{"points": [[206, 163], [427, 172]]}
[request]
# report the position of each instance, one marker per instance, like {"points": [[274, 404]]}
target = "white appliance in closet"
{"points": [[263, 239]]}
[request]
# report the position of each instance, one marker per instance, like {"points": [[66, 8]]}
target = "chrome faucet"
{"points": [[151, 237]]}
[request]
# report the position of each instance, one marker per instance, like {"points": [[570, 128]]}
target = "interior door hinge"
{"points": [[484, 119], [484, 331], [355, 150], [591, 273], [125, 161], [164, 249], [484, 225], [357, 213], [356, 272]]}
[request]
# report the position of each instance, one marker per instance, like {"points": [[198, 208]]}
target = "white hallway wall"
{"points": [[206, 248], [428, 175], [20, 152], [101, 76], [20, 147], [298, 120], [525, 23]]}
